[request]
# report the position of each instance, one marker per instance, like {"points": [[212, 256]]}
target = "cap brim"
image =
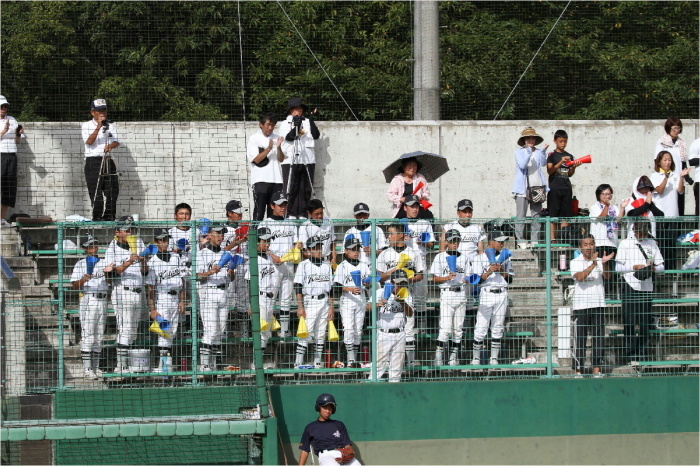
{"points": [[411, 203], [280, 201], [363, 211], [500, 238]]}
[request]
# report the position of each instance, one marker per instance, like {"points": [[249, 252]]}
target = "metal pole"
{"points": [[426, 65], [373, 292], [61, 308], [255, 321], [194, 247], [548, 275]]}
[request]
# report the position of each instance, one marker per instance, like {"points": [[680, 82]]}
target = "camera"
{"points": [[106, 123], [296, 120]]}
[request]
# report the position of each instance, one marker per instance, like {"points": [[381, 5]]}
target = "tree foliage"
{"points": [[188, 61]]}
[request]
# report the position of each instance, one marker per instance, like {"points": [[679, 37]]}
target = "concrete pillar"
{"points": [[426, 65]]}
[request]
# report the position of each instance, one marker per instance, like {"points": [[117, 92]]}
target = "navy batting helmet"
{"points": [[325, 399]]}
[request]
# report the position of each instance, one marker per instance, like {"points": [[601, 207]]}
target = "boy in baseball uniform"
{"points": [[128, 293], [269, 279], [399, 255], [181, 231], [353, 300], [493, 299], [363, 227], [236, 243], [213, 305], [89, 277], [319, 226], [312, 284], [393, 313], [166, 290], [453, 295]]}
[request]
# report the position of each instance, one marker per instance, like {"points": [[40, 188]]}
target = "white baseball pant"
{"points": [[352, 314], [214, 314], [286, 269], [128, 307], [492, 311], [316, 319], [92, 321], [453, 309], [267, 306], [327, 458], [238, 290], [167, 307], [391, 352]]}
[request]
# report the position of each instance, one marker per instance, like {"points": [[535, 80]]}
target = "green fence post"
{"points": [[270, 448], [61, 308], [373, 288], [548, 274], [194, 247], [255, 324]]}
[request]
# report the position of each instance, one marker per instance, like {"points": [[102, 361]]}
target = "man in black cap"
{"points": [[299, 162], [100, 138]]}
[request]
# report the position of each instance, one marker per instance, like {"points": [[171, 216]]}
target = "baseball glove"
{"points": [[348, 454]]}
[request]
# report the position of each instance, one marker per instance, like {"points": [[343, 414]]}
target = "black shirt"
{"points": [[560, 178], [324, 435]]}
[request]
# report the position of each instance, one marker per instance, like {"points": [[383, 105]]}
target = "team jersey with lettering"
{"points": [[97, 283], [440, 268], [236, 231], [356, 231], [343, 277], [284, 235], [481, 264], [389, 258], [118, 253], [471, 235], [323, 229], [166, 272], [268, 275], [207, 258], [315, 278], [415, 229], [391, 314]]}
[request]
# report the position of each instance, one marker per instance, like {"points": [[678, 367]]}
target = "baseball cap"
{"points": [[264, 233], [160, 233], [3, 100], [98, 104], [412, 199], [234, 206], [399, 277], [452, 235], [351, 242], [361, 208], [278, 198], [313, 241], [644, 182], [218, 229], [88, 240], [125, 222], [497, 236], [465, 204]]}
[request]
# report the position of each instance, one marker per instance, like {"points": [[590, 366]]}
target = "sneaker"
{"points": [[352, 364], [493, 362], [530, 360], [90, 374], [252, 366], [524, 245], [98, 373], [121, 369], [475, 362], [453, 360], [413, 364], [304, 366], [318, 365], [269, 365], [206, 368], [578, 375], [285, 334]]}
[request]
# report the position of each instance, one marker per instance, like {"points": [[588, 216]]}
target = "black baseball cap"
{"points": [[452, 235], [465, 204], [234, 206], [399, 277], [412, 199], [313, 241], [218, 229], [98, 104], [264, 233], [497, 236], [125, 222], [278, 198], [88, 240], [160, 233], [352, 242], [361, 208]]}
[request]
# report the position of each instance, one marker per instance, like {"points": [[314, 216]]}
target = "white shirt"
{"points": [[589, 293], [7, 142], [166, 276], [206, 259], [391, 315], [471, 236], [667, 201], [389, 258], [270, 173], [439, 268], [315, 279], [694, 153], [97, 284], [324, 231], [118, 254], [629, 255], [675, 152], [306, 144], [231, 234], [604, 230], [344, 278], [284, 235], [268, 275], [415, 229], [357, 233], [97, 148], [630, 225], [480, 264]]}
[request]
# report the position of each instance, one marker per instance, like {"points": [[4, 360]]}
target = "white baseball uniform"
{"points": [[284, 236], [416, 228], [269, 279], [93, 305], [352, 306], [493, 299], [471, 236], [453, 295], [238, 290], [167, 274], [322, 229], [315, 278], [212, 296], [391, 336], [356, 231]]}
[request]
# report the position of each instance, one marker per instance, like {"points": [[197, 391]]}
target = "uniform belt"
{"points": [[453, 288], [131, 288], [96, 294], [267, 295], [170, 292], [391, 330], [220, 287], [319, 296], [496, 290]]}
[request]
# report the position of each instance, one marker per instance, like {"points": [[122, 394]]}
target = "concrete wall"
{"points": [[203, 163]]}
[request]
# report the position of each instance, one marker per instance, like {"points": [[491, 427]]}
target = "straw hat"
{"points": [[529, 131]]}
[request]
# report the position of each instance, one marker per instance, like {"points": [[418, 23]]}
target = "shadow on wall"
{"points": [[27, 202], [323, 159], [132, 195]]}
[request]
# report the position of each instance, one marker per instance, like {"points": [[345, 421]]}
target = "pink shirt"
{"points": [[396, 187]]}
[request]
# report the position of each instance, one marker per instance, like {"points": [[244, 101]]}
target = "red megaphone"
{"points": [[638, 202], [420, 185], [584, 159], [425, 204]]}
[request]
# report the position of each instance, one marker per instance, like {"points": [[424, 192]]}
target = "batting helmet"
{"points": [[325, 399]]}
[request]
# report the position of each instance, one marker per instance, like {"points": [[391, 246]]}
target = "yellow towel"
{"points": [[302, 331], [332, 332]]}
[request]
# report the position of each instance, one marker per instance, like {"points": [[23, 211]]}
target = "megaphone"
{"points": [[504, 255], [206, 225], [473, 279], [425, 237], [368, 280], [402, 294], [302, 331], [332, 332], [225, 258], [356, 278], [264, 325], [409, 273], [182, 244], [490, 255], [293, 256], [388, 288], [404, 259], [91, 261], [132, 241], [275, 325], [452, 263], [366, 238], [584, 159], [164, 324], [638, 202], [235, 261], [242, 231], [404, 221], [417, 188], [155, 328], [425, 204], [149, 250]]}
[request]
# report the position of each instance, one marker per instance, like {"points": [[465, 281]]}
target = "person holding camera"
{"points": [[638, 258], [10, 135], [100, 138], [300, 134]]}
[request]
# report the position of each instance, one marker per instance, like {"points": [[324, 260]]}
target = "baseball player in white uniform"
{"points": [[213, 282], [420, 237], [128, 288], [89, 277], [388, 261], [166, 290], [236, 242], [392, 315], [269, 279], [353, 300], [312, 283], [319, 226], [453, 296], [363, 230], [473, 238], [493, 299], [183, 214], [284, 238]]}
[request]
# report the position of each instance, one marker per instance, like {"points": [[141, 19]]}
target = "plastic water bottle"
{"points": [[562, 262]]}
